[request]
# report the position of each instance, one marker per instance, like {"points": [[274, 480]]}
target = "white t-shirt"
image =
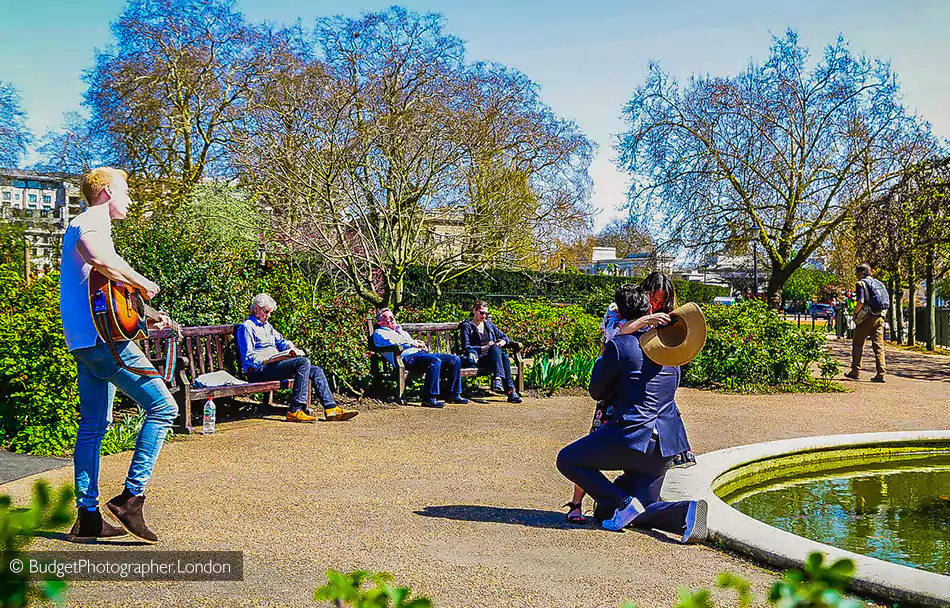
{"points": [[74, 307]]}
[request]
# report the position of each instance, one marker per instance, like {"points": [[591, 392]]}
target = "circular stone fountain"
{"points": [[879, 499]]}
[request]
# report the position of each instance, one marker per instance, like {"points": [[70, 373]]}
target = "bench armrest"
{"points": [[395, 348], [513, 346]]}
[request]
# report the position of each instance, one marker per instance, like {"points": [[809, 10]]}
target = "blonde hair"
{"points": [[97, 179]]}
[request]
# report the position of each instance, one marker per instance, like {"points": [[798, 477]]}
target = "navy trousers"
{"points": [[303, 372], [606, 449], [496, 362], [436, 365]]}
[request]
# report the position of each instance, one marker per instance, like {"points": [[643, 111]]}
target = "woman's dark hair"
{"points": [[478, 304], [660, 281], [632, 301]]}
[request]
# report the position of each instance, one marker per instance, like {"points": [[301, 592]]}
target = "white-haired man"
{"points": [[87, 245], [417, 358], [266, 355]]}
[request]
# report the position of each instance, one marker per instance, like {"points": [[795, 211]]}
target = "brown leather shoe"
{"points": [[127, 510], [90, 526]]}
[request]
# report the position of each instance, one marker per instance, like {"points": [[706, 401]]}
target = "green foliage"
{"points": [[549, 374], [750, 345], [48, 510], [592, 292], [817, 585], [122, 435], [200, 257], [348, 590], [37, 373], [808, 284], [544, 328]]}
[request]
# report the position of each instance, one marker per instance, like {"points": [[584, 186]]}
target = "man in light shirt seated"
{"points": [[417, 358], [266, 355]]}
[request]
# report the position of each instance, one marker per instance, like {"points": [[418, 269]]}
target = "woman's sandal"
{"points": [[575, 519]]}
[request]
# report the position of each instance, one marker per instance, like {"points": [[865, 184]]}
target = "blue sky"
{"points": [[587, 56]]}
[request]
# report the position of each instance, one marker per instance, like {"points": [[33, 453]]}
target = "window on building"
{"points": [[32, 198], [47, 199], [6, 196], [17, 196], [44, 213]]}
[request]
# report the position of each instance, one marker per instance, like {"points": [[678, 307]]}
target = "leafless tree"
{"points": [[788, 150], [391, 151]]}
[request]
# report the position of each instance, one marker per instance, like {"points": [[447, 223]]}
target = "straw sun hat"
{"points": [[680, 341]]}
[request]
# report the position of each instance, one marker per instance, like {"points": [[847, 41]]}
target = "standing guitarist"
{"points": [[87, 244]]}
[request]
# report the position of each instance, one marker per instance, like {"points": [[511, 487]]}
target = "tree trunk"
{"points": [[776, 282], [898, 298], [931, 316], [891, 310], [911, 303]]}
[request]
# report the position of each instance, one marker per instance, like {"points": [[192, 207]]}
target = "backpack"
{"points": [[875, 295]]}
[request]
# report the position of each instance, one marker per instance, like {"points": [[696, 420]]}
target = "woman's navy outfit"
{"points": [[494, 360], [641, 439]]}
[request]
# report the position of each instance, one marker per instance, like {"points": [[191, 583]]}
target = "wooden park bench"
{"points": [[202, 350], [438, 338]]}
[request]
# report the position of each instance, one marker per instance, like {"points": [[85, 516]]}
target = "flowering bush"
{"points": [[749, 345], [545, 328]]}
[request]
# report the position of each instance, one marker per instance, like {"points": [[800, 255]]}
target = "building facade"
{"points": [[43, 203]]}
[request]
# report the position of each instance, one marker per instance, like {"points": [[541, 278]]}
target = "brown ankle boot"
{"points": [[90, 526], [127, 510]]}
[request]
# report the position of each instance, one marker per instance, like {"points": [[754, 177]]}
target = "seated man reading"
{"points": [[266, 355], [646, 432], [416, 358], [482, 342]]}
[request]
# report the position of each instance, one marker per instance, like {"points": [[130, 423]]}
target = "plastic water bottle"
{"points": [[207, 428]]}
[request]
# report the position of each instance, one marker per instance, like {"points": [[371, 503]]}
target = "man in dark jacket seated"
{"points": [[641, 440], [481, 343]]}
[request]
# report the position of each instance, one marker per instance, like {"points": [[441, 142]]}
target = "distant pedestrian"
{"points": [[872, 302]]}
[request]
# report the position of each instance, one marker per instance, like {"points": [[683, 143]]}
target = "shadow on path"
{"points": [[901, 363], [534, 518]]}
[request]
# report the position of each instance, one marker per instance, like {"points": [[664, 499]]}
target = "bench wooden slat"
{"points": [[209, 355], [240, 389], [190, 344], [419, 327], [217, 343]]}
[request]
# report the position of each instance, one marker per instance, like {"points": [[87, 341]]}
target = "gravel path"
{"points": [[462, 504]]}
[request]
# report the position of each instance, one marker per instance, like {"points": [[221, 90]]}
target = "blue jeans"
{"points": [[98, 377], [302, 371], [435, 365]]}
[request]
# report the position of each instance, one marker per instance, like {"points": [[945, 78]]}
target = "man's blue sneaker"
{"points": [[696, 531]]}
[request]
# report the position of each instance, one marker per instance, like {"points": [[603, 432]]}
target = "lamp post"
{"points": [[756, 231]]}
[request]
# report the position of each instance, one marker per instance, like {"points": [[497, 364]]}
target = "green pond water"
{"points": [[897, 513]]}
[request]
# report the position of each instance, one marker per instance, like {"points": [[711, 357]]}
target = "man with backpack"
{"points": [[872, 302]]}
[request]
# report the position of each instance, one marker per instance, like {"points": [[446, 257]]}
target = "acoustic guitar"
{"points": [[125, 308], [120, 312]]}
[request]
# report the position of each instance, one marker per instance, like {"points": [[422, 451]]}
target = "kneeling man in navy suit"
{"points": [[645, 434]]}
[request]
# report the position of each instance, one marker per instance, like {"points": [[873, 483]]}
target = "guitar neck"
{"points": [[153, 314]]}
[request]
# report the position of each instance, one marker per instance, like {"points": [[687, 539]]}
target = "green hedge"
{"points": [[751, 347], [592, 292]]}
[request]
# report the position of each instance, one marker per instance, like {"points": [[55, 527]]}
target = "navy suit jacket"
{"points": [[472, 342], [642, 394]]}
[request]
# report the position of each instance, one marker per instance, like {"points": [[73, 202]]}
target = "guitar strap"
{"points": [[101, 321]]}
